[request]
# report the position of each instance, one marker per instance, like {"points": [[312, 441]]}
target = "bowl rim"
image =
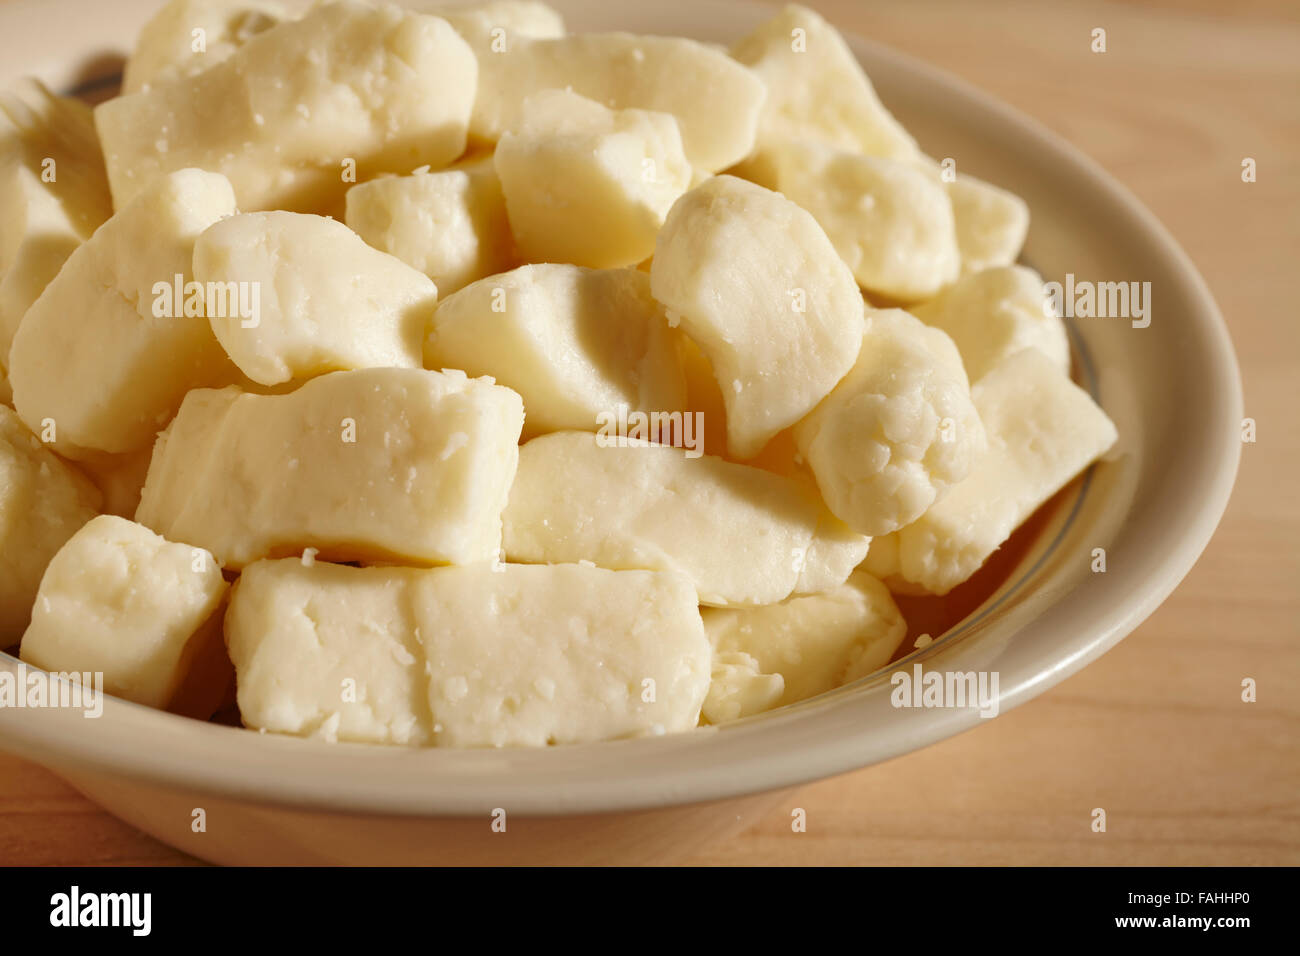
{"points": [[821, 737]]}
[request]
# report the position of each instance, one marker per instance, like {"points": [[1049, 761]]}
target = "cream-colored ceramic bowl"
{"points": [[1172, 389]]}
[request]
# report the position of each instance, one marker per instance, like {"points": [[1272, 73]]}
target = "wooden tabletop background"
{"points": [[1155, 731]]}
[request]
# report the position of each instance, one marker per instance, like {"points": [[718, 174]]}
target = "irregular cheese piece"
{"points": [[321, 299], [738, 686], [1043, 430], [991, 223], [574, 343], [43, 501], [815, 643], [817, 91], [376, 464], [492, 26], [891, 223], [53, 193], [170, 46], [993, 314], [744, 536], [898, 431], [715, 100], [451, 225], [144, 611], [761, 290], [288, 115], [466, 657], [107, 352], [586, 184]]}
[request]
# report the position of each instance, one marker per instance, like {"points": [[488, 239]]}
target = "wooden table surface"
{"points": [[1155, 731]]}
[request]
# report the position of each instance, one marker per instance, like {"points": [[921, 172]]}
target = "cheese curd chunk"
{"points": [[744, 536], [816, 90], [1043, 430], [891, 223], [451, 225], [466, 657], [165, 48], [813, 643], [491, 27], [121, 600], [348, 88], [105, 355], [715, 100], [43, 501], [376, 464], [992, 314], [290, 295], [991, 223], [574, 343], [898, 431], [586, 184], [761, 290], [43, 221]]}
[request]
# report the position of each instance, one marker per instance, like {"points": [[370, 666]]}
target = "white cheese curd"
{"points": [[742, 535], [992, 314], [891, 223], [383, 464], [813, 643], [187, 36], [762, 292], [586, 184], [349, 86], [120, 600], [816, 90], [467, 657], [1043, 430], [898, 431], [451, 224], [574, 343], [107, 352], [312, 297], [43, 501], [715, 100]]}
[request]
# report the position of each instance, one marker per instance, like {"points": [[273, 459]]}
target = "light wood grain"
{"points": [[1155, 731]]}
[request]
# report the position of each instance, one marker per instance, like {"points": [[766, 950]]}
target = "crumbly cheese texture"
{"points": [[43, 501], [816, 89], [377, 464], [898, 431], [586, 184], [575, 343], [742, 535], [1043, 430], [992, 314], [350, 86], [757, 285], [466, 657], [317, 298], [451, 225], [166, 46], [812, 643], [891, 223], [121, 600], [107, 352], [53, 194], [715, 100]]}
